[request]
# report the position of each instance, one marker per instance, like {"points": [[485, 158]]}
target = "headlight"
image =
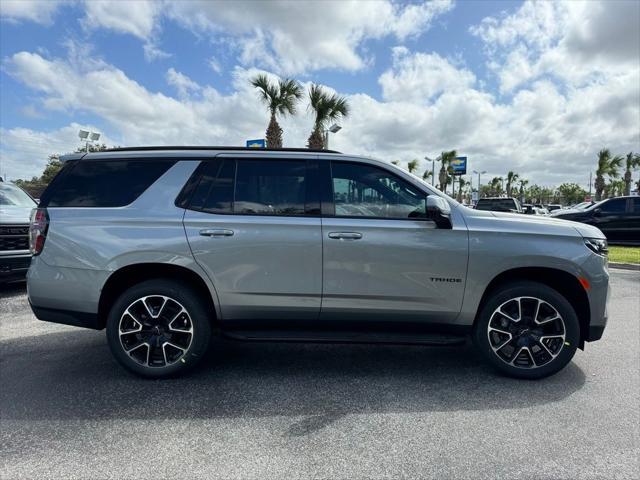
{"points": [[597, 245]]}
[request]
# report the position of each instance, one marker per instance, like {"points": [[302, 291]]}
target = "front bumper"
{"points": [[14, 267]]}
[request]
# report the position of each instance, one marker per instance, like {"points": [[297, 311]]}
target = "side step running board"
{"points": [[432, 339]]}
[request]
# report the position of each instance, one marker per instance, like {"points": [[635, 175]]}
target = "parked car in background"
{"points": [[303, 245], [499, 204], [618, 218], [553, 206], [529, 209], [15, 209]]}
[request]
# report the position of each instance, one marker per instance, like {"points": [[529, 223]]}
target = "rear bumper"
{"points": [[67, 317], [14, 267]]}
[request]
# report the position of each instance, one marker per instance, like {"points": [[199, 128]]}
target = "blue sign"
{"points": [[259, 143], [459, 166]]}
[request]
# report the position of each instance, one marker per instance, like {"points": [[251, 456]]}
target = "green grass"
{"points": [[624, 254]]}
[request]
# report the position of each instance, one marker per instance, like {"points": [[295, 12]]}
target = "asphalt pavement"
{"points": [[282, 411]]}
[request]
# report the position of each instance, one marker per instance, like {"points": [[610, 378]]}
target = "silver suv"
{"points": [[163, 246]]}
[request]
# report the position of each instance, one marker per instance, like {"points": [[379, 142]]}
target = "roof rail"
{"points": [[206, 147]]}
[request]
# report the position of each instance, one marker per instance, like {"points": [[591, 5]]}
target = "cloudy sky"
{"points": [[536, 87]]}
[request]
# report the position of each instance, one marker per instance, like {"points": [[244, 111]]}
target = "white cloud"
{"points": [[574, 42], [296, 37], [135, 17], [419, 77], [153, 52], [214, 65], [39, 11], [183, 84]]}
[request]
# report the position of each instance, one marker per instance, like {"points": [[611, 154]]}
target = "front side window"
{"points": [[366, 191]]}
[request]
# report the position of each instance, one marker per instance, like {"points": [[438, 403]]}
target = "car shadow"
{"points": [[72, 375]]}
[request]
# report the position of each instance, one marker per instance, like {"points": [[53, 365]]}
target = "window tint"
{"points": [[366, 191], [614, 206], [214, 192], [108, 183], [636, 204], [274, 187], [498, 205]]}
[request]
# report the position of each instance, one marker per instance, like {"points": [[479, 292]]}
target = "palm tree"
{"points": [[462, 184], [522, 183], [412, 166], [632, 162], [443, 176], [326, 107], [614, 188], [280, 99], [496, 186], [606, 166], [427, 175], [511, 179]]}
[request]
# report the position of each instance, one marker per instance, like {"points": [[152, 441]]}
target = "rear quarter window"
{"points": [[103, 183]]}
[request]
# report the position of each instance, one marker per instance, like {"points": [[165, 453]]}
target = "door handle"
{"points": [[223, 232], [345, 235]]}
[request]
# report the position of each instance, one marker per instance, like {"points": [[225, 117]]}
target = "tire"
{"points": [[517, 333], [158, 329]]}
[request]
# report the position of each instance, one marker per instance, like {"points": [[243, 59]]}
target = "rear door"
{"points": [[253, 224], [383, 259]]}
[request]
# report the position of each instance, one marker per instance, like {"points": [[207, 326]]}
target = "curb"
{"points": [[625, 266]]}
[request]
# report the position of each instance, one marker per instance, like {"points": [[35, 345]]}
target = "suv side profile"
{"points": [[164, 245]]}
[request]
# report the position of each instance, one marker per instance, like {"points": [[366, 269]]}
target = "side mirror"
{"points": [[439, 211]]}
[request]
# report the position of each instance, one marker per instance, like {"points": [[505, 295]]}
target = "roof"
{"points": [[207, 147]]}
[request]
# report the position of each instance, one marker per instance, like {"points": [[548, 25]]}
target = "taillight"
{"points": [[38, 230]]}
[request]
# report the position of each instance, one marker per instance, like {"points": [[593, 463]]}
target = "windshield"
{"points": [[12, 196]]}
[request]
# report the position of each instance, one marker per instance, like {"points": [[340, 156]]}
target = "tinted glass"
{"points": [[636, 204], [498, 205], [274, 187], [617, 205], [366, 191], [214, 192], [12, 196], [109, 183]]}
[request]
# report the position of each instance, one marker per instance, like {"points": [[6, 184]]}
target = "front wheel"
{"points": [[527, 330], [158, 329]]}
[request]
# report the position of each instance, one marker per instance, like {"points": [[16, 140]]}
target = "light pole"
{"points": [[433, 168], [335, 128], [88, 137], [479, 173]]}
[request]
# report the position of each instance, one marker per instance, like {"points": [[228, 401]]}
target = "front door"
{"points": [[254, 228], [383, 259]]}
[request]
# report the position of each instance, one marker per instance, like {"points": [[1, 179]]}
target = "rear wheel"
{"points": [[158, 328], [527, 330]]}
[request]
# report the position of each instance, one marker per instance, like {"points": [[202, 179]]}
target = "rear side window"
{"points": [[251, 187], [614, 206], [103, 183]]}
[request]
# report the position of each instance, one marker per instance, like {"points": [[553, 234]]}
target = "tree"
{"points": [[279, 99], [327, 108], [511, 180], [522, 184], [607, 166], [614, 188], [495, 186], [632, 162], [571, 193], [427, 175], [443, 177], [463, 184], [412, 166]]}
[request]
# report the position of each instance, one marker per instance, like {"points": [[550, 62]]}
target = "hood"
{"points": [[539, 223], [15, 215]]}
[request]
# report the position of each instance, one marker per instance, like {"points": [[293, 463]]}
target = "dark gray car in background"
{"points": [[15, 209], [163, 246]]}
